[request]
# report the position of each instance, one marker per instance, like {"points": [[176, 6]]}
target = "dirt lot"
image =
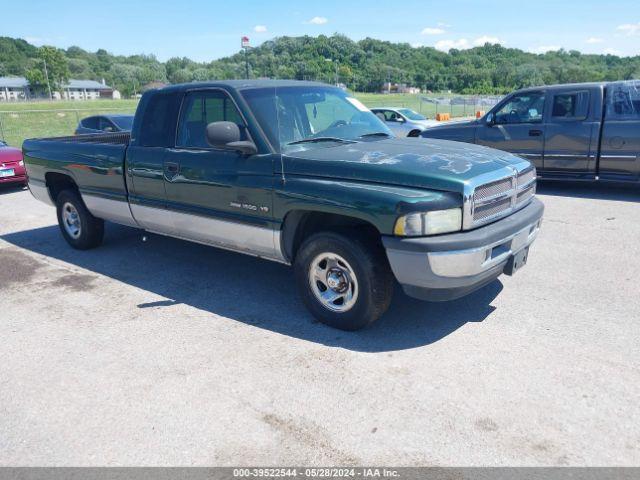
{"points": [[170, 353]]}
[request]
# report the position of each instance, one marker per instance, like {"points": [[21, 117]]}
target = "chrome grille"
{"points": [[527, 176], [491, 209], [502, 197], [526, 193], [492, 189]]}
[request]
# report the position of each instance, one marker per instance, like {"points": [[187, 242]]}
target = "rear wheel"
{"points": [[345, 281], [414, 133], [79, 228]]}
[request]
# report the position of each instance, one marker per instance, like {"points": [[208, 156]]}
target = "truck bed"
{"points": [[95, 162]]}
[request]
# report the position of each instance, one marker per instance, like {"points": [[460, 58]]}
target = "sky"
{"points": [[206, 30]]}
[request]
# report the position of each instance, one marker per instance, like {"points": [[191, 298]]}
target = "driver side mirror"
{"points": [[226, 135], [491, 119]]}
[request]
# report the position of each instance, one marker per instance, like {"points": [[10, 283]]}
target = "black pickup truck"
{"points": [[304, 174], [585, 131]]}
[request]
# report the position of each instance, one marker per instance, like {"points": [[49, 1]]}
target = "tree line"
{"points": [[363, 66]]}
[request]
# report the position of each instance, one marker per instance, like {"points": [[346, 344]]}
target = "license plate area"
{"points": [[517, 261], [7, 172]]}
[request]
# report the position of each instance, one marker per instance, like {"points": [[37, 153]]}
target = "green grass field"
{"points": [[19, 121]]}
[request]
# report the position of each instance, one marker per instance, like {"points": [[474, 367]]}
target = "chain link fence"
{"points": [[431, 105], [18, 125]]}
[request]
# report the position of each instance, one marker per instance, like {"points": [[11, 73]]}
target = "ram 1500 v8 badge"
{"points": [[304, 174]]}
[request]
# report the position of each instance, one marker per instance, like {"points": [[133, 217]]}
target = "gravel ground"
{"points": [[171, 353]]}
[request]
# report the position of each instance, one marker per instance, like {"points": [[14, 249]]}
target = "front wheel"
{"points": [[79, 228], [345, 281]]}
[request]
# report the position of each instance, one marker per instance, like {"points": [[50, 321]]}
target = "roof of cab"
{"points": [[243, 84], [565, 86]]}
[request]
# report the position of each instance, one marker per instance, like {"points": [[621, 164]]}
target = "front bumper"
{"points": [[450, 266], [14, 179]]}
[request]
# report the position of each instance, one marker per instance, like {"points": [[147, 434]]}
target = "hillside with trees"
{"points": [[363, 65]]}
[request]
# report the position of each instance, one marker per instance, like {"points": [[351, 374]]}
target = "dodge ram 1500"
{"points": [[304, 174]]}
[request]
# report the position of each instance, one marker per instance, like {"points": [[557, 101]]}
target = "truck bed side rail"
{"points": [[120, 138]]}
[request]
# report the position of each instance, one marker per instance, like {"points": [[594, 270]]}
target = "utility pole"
{"points": [[46, 74], [336, 65]]}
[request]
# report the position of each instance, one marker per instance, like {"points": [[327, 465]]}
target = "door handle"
{"points": [[535, 133]]}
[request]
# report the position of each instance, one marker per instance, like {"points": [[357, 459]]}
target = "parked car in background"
{"points": [[11, 165], [586, 131], [304, 174], [105, 124], [403, 122]]}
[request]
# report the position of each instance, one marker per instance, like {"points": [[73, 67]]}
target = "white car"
{"points": [[404, 122]]}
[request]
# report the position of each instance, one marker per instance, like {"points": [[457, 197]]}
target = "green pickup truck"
{"points": [[304, 174]]}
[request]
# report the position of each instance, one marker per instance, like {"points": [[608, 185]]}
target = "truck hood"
{"points": [[415, 162]]}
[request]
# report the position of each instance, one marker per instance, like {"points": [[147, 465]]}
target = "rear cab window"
{"points": [[158, 127]]}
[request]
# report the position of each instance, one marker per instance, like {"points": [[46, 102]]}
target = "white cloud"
{"points": [[445, 25], [446, 45], [593, 40], [545, 49], [433, 31], [630, 29], [260, 28], [318, 20], [478, 42]]}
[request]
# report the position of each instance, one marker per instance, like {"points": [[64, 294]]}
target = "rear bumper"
{"points": [[450, 266], [40, 191]]}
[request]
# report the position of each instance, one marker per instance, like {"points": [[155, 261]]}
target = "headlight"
{"points": [[429, 223], [21, 163]]}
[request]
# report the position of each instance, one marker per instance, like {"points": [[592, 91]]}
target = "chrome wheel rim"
{"points": [[333, 282], [71, 220]]}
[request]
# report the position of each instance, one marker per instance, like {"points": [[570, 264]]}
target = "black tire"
{"points": [[367, 262], [414, 133], [90, 229]]}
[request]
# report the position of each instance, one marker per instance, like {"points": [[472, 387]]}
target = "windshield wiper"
{"points": [[375, 134], [321, 139]]}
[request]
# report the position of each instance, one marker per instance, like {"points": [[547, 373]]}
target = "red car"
{"points": [[11, 165]]}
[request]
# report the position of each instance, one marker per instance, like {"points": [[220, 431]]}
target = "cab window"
{"points": [[522, 108], [623, 100], [199, 110], [91, 122], [391, 116], [105, 125], [571, 106]]}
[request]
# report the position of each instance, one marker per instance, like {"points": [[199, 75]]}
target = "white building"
{"points": [[13, 89], [86, 90]]}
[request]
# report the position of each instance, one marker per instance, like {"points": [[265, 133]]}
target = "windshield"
{"points": [[304, 117], [411, 115], [123, 123]]}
